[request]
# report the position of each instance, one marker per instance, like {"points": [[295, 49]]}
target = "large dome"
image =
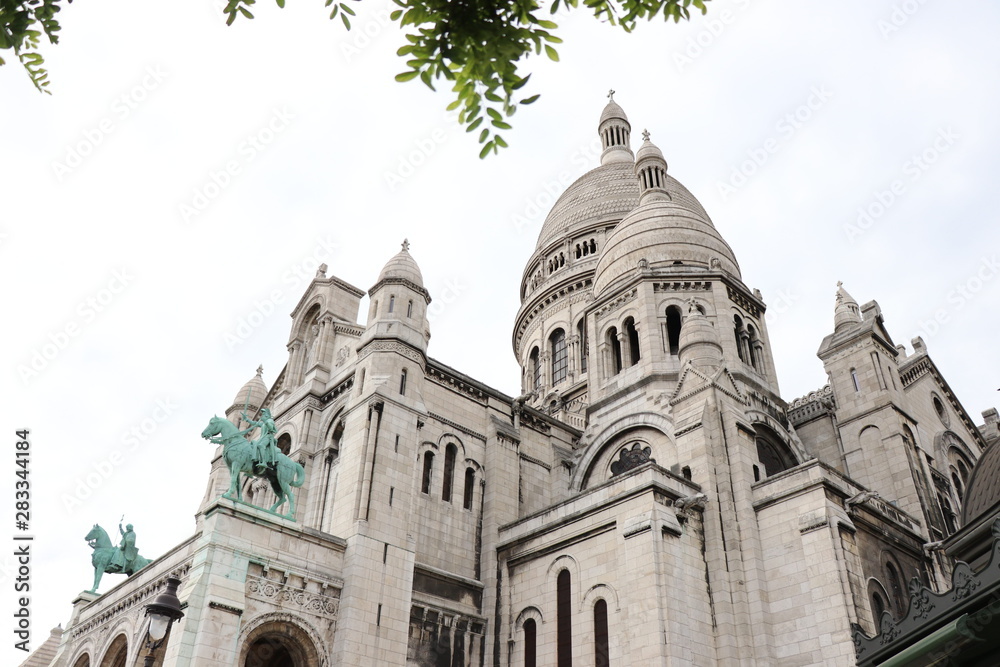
{"points": [[606, 193], [664, 234]]}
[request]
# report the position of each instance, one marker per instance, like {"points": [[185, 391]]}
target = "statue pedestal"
{"points": [[81, 601]]}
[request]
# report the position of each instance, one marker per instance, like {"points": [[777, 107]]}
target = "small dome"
{"points": [[648, 150], [983, 490], [663, 233], [402, 266], [613, 111], [699, 341], [847, 311], [253, 392]]}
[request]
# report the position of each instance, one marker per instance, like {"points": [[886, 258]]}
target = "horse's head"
{"points": [[214, 427], [94, 533]]}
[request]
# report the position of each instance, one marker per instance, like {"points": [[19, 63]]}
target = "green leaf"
{"points": [[486, 149], [406, 76], [551, 53], [529, 100]]}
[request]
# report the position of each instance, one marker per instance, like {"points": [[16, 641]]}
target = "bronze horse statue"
{"points": [[109, 558], [238, 453]]}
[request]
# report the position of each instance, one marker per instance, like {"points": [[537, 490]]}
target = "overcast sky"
{"points": [[165, 208]]}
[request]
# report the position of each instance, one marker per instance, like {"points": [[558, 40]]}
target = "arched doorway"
{"points": [[117, 653], [279, 641]]}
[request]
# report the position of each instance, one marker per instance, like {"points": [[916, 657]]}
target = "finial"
{"points": [[645, 135], [840, 283], [406, 245], [260, 370], [611, 95], [321, 271]]}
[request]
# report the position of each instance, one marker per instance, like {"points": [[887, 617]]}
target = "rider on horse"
{"points": [[266, 447]]}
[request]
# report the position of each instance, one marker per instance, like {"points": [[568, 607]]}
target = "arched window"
{"points": [[449, 472], [402, 383], [615, 351], [470, 488], [673, 330], [564, 621], [392, 303], [772, 452], [946, 511], [581, 333], [593, 246], [409, 308], [578, 252], [425, 485], [530, 639], [285, 443], [535, 370], [83, 661], [601, 655], [117, 653], [739, 333], [854, 379], [752, 351], [633, 341], [959, 489], [560, 360], [896, 588], [878, 606]]}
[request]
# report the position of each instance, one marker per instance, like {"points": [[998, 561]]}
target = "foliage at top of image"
{"points": [[21, 26], [475, 46]]}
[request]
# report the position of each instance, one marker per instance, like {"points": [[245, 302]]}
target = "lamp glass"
{"points": [[158, 624]]}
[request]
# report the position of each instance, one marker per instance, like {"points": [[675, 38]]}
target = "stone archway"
{"points": [[278, 641], [117, 653]]}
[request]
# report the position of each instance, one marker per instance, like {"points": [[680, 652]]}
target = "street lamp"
{"points": [[162, 612]]}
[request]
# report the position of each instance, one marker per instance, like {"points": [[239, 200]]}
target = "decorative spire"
{"points": [[260, 371], [406, 245], [645, 135], [611, 94]]}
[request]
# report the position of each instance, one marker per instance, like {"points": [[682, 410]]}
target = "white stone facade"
{"points": [[650, 499]]}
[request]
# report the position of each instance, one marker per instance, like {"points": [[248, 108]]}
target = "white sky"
{"points": [[317, 187]]}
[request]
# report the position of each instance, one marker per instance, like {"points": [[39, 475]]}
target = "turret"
{"points": [[614, 130], [699, 340], [250, 397], [847, 312], [398, 307]]}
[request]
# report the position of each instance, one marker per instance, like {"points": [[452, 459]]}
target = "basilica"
{"points": [[650, 498]]}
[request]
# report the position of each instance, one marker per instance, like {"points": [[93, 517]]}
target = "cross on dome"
{"points": [[260, 369], [611, 94], [645, 135], [406, 245]]}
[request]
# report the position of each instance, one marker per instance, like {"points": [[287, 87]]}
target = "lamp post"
{"points": [[162, 612]]}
